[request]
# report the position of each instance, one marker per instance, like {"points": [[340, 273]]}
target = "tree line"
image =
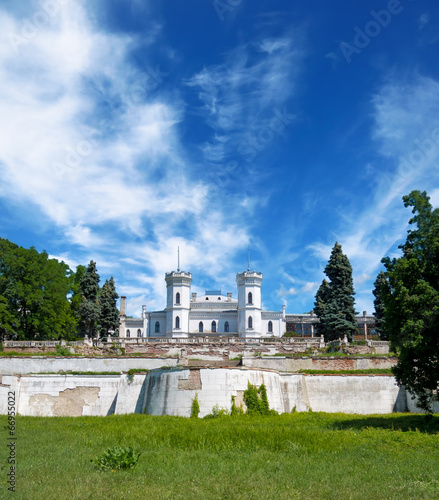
{"points": [[406, 301], [43, 299]]}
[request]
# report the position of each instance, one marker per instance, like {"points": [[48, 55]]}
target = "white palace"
{"points": [[187, 315]]}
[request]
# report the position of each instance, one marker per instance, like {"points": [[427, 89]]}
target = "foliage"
{"points": [[379, 284], [217, 412], [34, 292], [256, 400], [235, 410], [62, 350], [195, 407], [410, 296], [334, 301], [109, 314], [291, 334], [88, 309], [117, 458]]}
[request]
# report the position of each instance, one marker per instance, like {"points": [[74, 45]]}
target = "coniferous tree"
{"points": [[109, 314], [321, 307], [335, 301], [379, 285], [89, 309]]}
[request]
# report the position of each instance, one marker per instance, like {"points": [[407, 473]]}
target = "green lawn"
{"points": [[302, 455]]}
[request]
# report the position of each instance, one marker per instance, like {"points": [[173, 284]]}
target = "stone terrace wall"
{"points": [[170, 392], [319, 363]]}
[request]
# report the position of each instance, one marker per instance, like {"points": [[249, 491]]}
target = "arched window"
{"points": [[177, 298], [226, 327], [250, 322], [177, 322], [213, 326], [128, 333], [200, 327], [139, 332], [250, 298], [270, 327], [157, 327]]}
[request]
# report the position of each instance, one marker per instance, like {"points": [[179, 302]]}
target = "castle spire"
{"points": [[178, 259], [248, 258]]}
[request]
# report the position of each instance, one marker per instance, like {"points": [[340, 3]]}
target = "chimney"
{"points": [[123, 306], [229, 296], [194, 296], [364, 313]]}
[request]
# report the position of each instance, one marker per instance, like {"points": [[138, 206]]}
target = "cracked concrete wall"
{"points": [[170, 392]]}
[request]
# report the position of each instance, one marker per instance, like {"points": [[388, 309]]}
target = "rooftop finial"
{"points": [[178, 264], [248, 258]]}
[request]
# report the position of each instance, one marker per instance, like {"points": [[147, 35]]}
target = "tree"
{"points": [[33, 294], [334, 303], [89, 310], [109, 314], [377, 291], [411, 302], [320, 308]]}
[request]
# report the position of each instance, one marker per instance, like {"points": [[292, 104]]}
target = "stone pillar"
{"points": [[123, 306], [194, 296], [365, 325]]}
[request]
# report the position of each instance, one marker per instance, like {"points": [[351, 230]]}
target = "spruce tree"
{"points": [[321, 307], [89, 309], [335, 300], [109, 314]]}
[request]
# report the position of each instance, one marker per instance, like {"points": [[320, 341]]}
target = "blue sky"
{"points": [[129, 128]]}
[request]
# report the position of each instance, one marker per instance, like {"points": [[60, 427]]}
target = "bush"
{"points": [[256, 400], [117, 458], [62, 351], [218, 412], [195, 407]]}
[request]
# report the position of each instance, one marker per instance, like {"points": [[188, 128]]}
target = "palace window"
{"points": [[139, 332], [213, 326], [250, 298], [177, 322], [177, 298], [226, 327], [128, 333], [200, 327], [250, 322], [157, 327], [270, 327]]}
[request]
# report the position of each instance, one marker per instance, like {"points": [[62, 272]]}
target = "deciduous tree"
{"points": [[411, 302]]}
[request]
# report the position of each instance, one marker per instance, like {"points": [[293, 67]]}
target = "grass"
{"points": [[301, 455]]}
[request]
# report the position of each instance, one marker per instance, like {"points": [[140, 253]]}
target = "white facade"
{"points": [[187, 315]]}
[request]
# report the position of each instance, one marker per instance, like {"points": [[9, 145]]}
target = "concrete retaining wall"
{"points": [[40, 364], [170, 392]]}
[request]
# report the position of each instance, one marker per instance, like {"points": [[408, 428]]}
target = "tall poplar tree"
{"points": [[109, 314], [335, 300]]}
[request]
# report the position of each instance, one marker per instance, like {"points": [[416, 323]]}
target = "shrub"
{"points": [[195, 407], [218, 412], [256, 400], [117, 458], [235, 410], [62, 351]]}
